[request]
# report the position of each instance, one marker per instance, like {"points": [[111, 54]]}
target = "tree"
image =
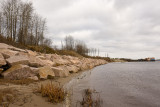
{"points": [[69, 43]]}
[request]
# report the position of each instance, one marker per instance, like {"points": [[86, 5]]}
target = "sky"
{"points": [[121, 28]]}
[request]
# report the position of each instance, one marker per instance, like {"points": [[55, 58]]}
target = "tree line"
{"points": [[20, 23], [78, 46]]}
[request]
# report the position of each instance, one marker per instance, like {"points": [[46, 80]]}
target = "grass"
{"points": [[55, 94], [17, 82], [7, 96], [90, 99]]}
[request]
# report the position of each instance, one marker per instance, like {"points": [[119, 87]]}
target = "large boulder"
{"points": [[59, 72], [46, 72], [83, 66], [35, 62], [65, 69], [2, 60], [18, 72], [14, 60], [4, 46], [8, 53]]}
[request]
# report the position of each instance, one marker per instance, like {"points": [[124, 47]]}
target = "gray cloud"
{"points": [[122, 28]]}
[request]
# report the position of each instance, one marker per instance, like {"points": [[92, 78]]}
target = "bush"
{"points": [[90, 100], [55, 94]]}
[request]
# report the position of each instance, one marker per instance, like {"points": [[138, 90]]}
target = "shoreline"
{"points": [[36, 100], [19, 64]]}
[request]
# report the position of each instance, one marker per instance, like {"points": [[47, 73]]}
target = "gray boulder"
{"points": [[46, 72], [18, 72], [14, 60]]}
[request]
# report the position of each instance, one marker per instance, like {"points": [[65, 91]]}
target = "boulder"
{"points": [[73, 68], [83, 66], [16, 49], [31, 53], [69, 68], [14, 60], [59, 72], [35, 70], [46, 72], [18, 72], [61, 62], [8, 53], [4, 46], [34, 78], [41, 57], [35, 62], [48, 62], [65, 70], [2, 60]]}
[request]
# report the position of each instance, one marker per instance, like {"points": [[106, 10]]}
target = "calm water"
{"points": [[121, 84]]}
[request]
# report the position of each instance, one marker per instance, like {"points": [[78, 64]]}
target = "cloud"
{"points": [[122, 28]]}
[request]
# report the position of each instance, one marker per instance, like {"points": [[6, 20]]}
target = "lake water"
{"points": [[131, 84]]}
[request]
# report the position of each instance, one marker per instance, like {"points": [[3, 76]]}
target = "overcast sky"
{"points": [[122, 28]]}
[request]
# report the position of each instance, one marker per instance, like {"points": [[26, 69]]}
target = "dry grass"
{"points": [[7, 96], [55, 94], [90, 100], [17, 82]]}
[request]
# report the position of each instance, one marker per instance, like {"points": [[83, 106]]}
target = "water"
{"points": [[135, 84]]}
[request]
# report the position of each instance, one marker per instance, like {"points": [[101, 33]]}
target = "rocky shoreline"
{"points": [[17, 63]]}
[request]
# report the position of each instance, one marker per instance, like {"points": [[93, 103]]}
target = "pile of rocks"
{"points": [[17, 63]]}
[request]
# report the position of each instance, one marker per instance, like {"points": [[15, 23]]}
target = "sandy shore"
{"points": [[26, 97]]}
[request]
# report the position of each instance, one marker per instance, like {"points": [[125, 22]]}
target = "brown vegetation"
{"points": [[55, 94], [90, 100]]}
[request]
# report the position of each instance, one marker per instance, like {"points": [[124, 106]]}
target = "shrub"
{"points": [[90, 99], [55, 94]]}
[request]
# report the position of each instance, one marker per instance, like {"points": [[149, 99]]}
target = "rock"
{"points": [[16, 49], [2, 60], [73, 68], [83, 66], [34, 78], [48, 62], [65, 70], [41, 57], [46, 72], [31, 53], [8, 53], [18, 72], [61, 62], [22, 54], [4, 46], [14, 60], [74, 61], [35, 62], [59, 72], [35, 70]]}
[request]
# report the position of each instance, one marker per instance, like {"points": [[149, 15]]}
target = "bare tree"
{"points": [[69, 43]]}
